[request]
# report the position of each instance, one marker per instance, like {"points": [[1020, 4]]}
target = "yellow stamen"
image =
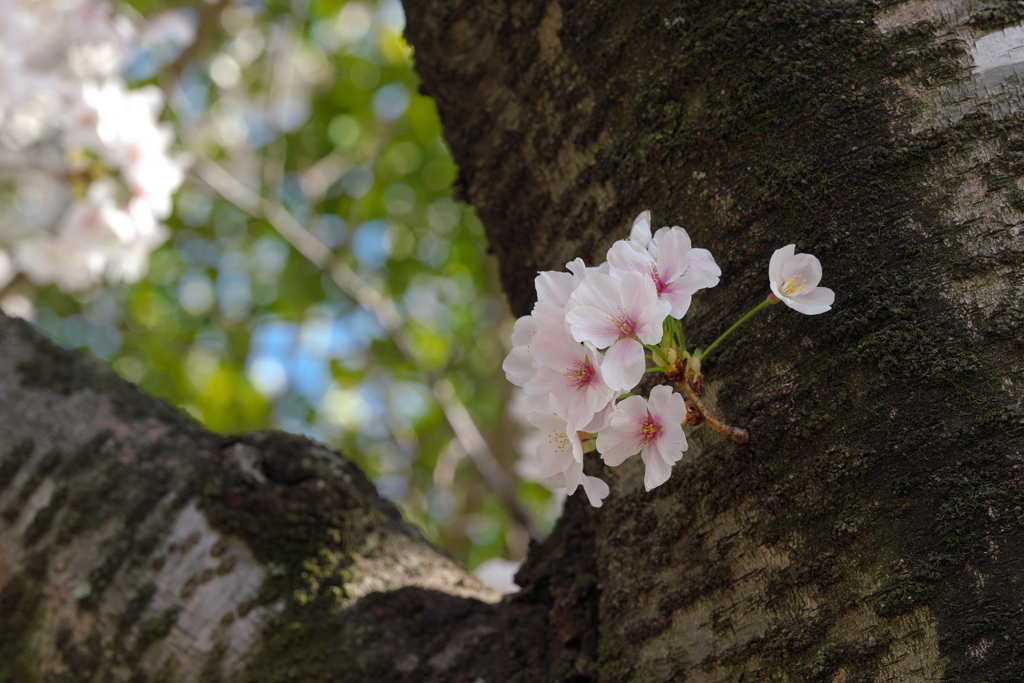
{"points": [[794, 285]]}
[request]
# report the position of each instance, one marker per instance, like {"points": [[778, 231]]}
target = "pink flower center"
{"points": [[660, 284], [581, 374], [626, 325], [649, 430]]}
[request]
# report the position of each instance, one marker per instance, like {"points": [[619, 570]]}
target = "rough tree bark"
{"points": [[870, 529]]}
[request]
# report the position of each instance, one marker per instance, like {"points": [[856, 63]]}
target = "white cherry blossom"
{"points": [[570, 371], [651, 427], [618, 314], [63, 101], [794, 280], [560, 444]]}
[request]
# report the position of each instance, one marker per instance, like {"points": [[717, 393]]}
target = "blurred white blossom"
{"points": [[65, 111]]}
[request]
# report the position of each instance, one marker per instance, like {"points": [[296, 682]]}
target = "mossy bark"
{"points": [[136, 546], [871, 529]]}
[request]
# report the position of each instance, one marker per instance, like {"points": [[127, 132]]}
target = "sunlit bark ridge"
{"points": [[134, 545]]}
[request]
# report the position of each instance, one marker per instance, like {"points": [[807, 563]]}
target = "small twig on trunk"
{"points": [[735, 433], [691, 382]]}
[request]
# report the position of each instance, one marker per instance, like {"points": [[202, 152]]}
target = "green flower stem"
{"points": [[653, 349], [704, 352]]}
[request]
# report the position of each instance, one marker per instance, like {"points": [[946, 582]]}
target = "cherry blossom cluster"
{"points": [[592, 335], [83, 159]]}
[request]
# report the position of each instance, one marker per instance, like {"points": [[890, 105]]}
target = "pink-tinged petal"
{"points": [[703, 268], [777, 292], [657, 470], [818, 300], [779, 259], [549, 316], [601, 419], [537, 400], [564, 434], [595, 489], [625, 257], [578, 268], [629, 413], [671, 442], [624, 364], [554, 346], [546, 381], [591, 324], [666, 405], [641, 231], [649, 323], [555, 452], [673, 253], [596, 397], [555, 481], [518, 366], [599, 291], [523, 330], [805, 268], [615, 445], [573, 475], [554, 287], [678, 298], [578, 408], [637, 293]]}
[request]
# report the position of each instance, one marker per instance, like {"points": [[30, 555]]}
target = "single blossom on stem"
{"points": [[620, 315], [794, 281], [652, 428]]}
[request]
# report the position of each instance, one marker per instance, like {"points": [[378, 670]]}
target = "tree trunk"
{"points": [[870, 529]]}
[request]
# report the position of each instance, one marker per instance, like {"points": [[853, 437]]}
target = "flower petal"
{"points": [[678, 297], [554, 287], [518, 366], [658, 471], [615, 445], [703, 268], [630, 411], [625, 257], [641, 231], [596, 490], [673, 253], [591, 324], [803, 266], [818, 300], [624, 364], [779, 259], [666, 405]]}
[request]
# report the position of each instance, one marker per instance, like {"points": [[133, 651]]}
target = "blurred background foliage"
{"points": [[320, 278]]}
